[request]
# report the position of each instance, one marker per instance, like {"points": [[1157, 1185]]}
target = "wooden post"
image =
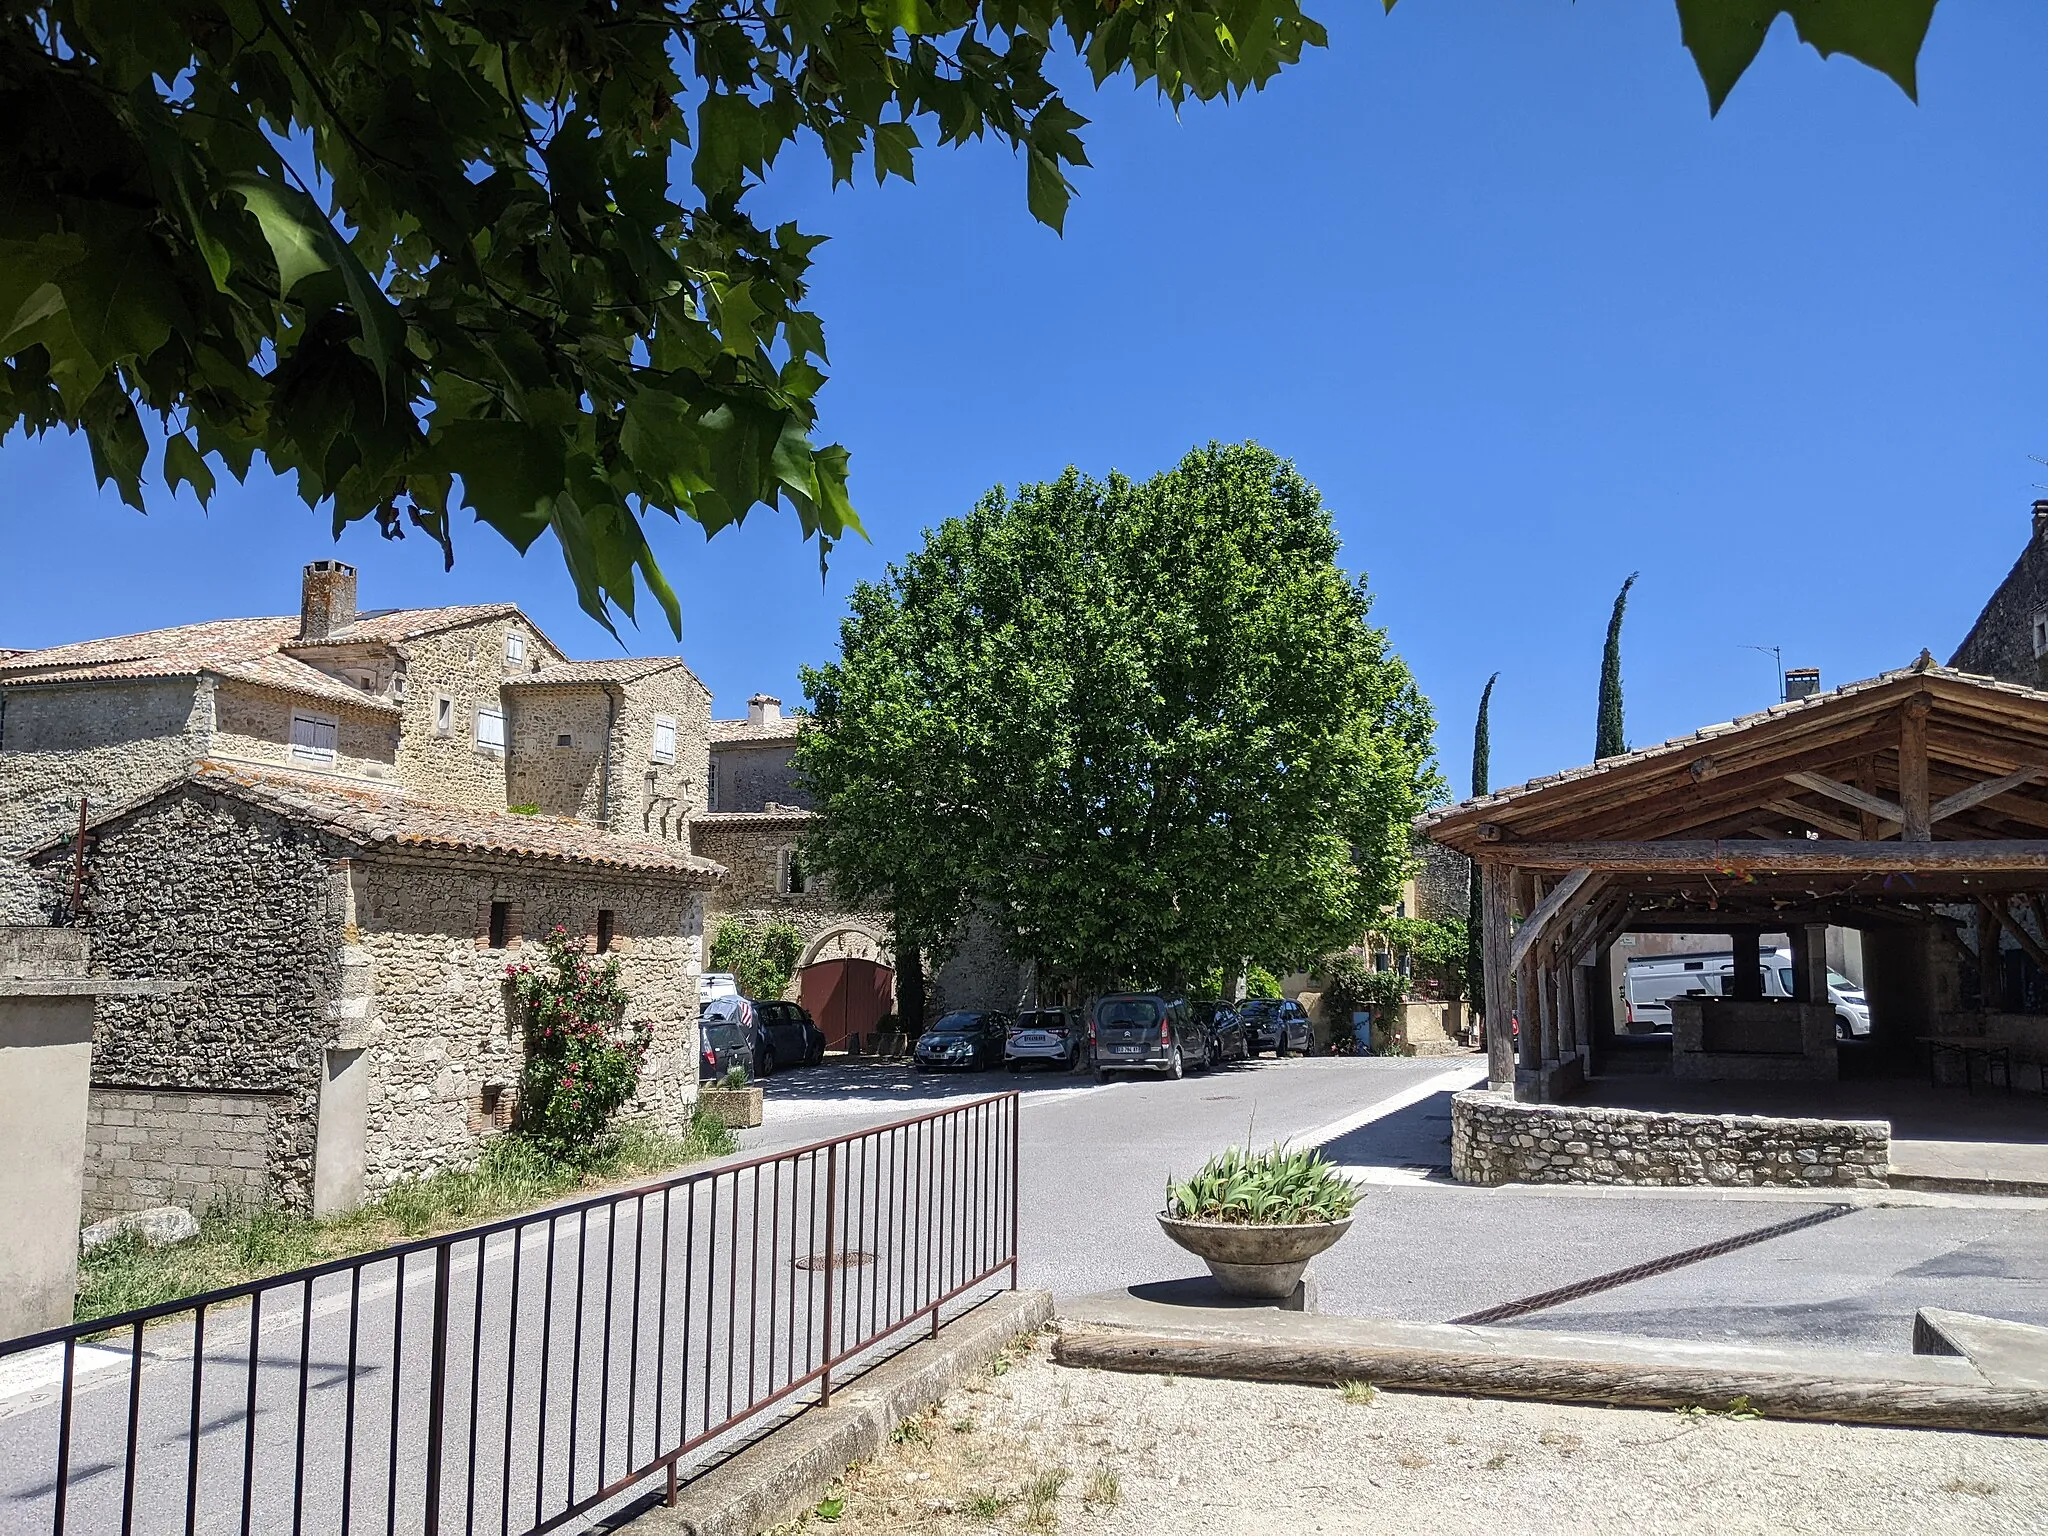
{"points": [[1747, 981], [1494, 884], [1867, 825], [1991, 921], [1913, 771], [1582, 1016], [1546, 1006], [1529, 1013], [1810, 963]]}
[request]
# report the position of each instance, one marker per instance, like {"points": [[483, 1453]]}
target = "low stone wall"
{"points": [[158, 1146], [1497, 1140]]}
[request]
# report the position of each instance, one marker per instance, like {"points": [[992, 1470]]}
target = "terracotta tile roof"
{"points": [[244, 649], [745, 732], [623, 669], [397, 624], [787, 816], [1956, 685], [376, 818]]}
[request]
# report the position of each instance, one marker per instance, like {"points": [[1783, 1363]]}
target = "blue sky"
{"points": [[1487, 272]]}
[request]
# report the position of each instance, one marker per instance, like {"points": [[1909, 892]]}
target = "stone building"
{"points": [[337, 828], [754, 825], [2009, 641]]}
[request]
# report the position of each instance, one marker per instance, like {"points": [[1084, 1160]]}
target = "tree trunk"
{"points": [[910, 999]]}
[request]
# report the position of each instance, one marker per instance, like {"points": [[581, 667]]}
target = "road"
{"points": [[1094, 1162]]}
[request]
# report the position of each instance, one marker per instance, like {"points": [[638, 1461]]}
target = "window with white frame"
{"points": [[490, 729], [664, 740], [313, 737], [515, 650]]}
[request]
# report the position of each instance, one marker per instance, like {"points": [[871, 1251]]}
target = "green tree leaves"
{"points": [[429, 257], [1725, 36], [1145, 730]]}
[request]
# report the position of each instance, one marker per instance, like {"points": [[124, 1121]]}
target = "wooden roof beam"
{"points": [[1791, 857]]}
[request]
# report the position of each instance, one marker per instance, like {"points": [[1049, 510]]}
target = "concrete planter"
{"points": [[1263, 1262], [737, 1109]]}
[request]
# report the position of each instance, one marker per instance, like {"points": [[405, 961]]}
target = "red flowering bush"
{"points": [[582, 1058]]}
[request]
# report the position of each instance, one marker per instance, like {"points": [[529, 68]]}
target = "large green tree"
{"points": [[1146, 728], [428, 255]]}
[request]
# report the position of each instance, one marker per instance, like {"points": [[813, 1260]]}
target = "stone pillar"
{"points": [[46, 1008]]}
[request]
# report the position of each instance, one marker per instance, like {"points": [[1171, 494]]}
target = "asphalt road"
{"points": [[1094, 1162]]}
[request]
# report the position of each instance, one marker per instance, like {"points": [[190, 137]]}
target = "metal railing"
{"points": [[513, 1376]]}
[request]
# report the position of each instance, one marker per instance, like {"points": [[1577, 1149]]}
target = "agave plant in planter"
{"points": [[1257, 1218]]}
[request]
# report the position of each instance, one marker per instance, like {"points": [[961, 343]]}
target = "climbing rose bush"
{"points": [[582, 1059]]}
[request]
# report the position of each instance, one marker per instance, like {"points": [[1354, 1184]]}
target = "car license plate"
{"points": [[1128, 1050]]}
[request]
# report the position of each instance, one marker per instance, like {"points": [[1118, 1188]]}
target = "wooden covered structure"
{"points": [[1895, 804]]}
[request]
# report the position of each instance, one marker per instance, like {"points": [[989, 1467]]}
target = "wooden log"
{"points": [[1918, 826], [1848, 794], [1546, 1002], [1494, 883], [1557, 905], [1775, 1394], [2026, 941], [1819, 820], [1790, 856], [1529, 1014], [1582, 1015], [1977, 794]]}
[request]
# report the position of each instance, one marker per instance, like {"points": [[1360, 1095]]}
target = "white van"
{"points": [[1655, 979]]}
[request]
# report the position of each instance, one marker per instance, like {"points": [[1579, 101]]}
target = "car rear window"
{"points": [[1127, 1010], [724, 1037], [1050, 1018]]}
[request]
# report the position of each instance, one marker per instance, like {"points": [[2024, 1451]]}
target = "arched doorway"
{"points": [[846, 997]]}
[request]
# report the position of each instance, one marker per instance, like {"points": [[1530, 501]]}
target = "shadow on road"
{"points": [[1417, 1138]]}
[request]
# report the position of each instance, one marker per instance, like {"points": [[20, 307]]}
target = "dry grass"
{"points": [[236, 1245]]}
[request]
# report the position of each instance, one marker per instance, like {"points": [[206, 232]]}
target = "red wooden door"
{"points": [[845, 997]]}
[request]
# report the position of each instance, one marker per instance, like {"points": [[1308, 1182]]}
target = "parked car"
{"points": [[1147, 1032], [1653, 980], [779, 1034], [969, 1038], [1051, 1035], [712, 984], [727, 1038], [1226, 1030], [1276, 1024]]}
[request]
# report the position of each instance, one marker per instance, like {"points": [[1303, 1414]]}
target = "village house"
{"points": [[337, 829], [756, 814]]}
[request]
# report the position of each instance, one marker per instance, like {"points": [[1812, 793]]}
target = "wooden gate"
{"points": [[846, 997]]}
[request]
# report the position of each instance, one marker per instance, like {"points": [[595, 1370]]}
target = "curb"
{"points": [[1775, 1394], [1958, 1184], [788, 1470]]}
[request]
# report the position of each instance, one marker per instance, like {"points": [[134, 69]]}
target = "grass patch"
{"points": [[235, 1245], [986, 1506], [1041, 1498], [1104, 1488], [1359, 1392]]}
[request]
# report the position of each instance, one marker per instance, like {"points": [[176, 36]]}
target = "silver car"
{"points": [[1051, 1035]]}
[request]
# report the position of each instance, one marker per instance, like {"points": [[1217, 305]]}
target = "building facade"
{"points": [[337, 830]]}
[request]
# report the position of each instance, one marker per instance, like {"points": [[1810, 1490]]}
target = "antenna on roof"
{"points": [[1777, 654]]}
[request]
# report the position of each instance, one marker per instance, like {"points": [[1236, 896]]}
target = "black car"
{"points": [[737, 1031], [969, 1038], [1276, 1024], [1225, 1029]]}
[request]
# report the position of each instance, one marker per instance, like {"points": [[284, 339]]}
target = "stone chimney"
{"points": [[2041, 522], [1801, 683], [764, 709], [327, 599]]}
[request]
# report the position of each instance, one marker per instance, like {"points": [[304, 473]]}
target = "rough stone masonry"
{"points": [[1495, 1140]]}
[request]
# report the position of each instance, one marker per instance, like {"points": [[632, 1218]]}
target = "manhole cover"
{"points": [[852, 1260]]}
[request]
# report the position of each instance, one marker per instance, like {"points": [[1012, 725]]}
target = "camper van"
{"points": [[1655, 979]]}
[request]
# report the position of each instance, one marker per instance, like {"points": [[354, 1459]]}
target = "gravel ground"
{"points": [[1043, 1448]]}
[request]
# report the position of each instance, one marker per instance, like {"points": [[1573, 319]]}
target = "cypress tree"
{"points": [[1609, 740], [1475, 920]]}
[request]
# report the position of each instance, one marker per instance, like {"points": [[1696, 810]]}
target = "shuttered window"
{"points": [[490, 728], [664, 741], [313, 738]]}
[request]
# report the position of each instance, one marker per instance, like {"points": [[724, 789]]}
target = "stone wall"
{"points": [[561, 778], [754, 775], [444, 1037], [241, 907], [174, 1147], [466, 666], [656, 800], [2001, 642], [254, 725], [1443, 884], [1496, 1140], [111, 742]]}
